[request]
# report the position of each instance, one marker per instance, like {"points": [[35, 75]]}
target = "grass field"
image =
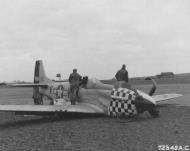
{"points": [[19, 133]]}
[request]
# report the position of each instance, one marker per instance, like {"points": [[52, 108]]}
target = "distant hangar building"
{"points": [[165, 75]]}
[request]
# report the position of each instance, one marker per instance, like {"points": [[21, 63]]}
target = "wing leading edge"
{"points": [[79, 108], [164, 97]]}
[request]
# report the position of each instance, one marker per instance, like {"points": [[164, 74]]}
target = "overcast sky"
{"points": [[94, 36]]}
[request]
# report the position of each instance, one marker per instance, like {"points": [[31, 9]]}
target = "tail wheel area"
{"points": [[38, 100]]}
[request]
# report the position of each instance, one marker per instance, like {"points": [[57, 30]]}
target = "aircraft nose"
{"points": [[146, 105], [143, 104]]}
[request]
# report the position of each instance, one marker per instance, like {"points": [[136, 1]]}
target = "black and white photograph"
{"points": [[94, 75]]}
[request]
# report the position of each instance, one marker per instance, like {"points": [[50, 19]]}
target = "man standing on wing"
{"points": [[74, 80], [122, 74], [122, 78]]}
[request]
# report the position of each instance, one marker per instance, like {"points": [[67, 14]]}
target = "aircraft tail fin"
{"points": [[39, 73], [40, 79]]}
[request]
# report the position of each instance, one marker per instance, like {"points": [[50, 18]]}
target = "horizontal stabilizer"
{"points": [[28, 85], [163, 97]]}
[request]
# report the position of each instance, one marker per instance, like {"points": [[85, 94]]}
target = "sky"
{"points": [[94, 36]]}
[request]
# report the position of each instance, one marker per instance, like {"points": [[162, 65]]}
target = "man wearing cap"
{"points": [[122, 74], [74, 80]]}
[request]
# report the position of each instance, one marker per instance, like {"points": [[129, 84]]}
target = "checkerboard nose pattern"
{"points": [[122, 103]]}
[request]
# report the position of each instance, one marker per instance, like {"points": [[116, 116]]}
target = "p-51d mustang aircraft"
{"points": [[95, 98]]}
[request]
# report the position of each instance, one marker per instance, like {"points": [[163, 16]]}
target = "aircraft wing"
{"points": [[43, 109], [163, 97]]}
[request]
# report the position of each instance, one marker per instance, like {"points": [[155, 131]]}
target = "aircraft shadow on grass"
{"points": [[36, 120]]}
